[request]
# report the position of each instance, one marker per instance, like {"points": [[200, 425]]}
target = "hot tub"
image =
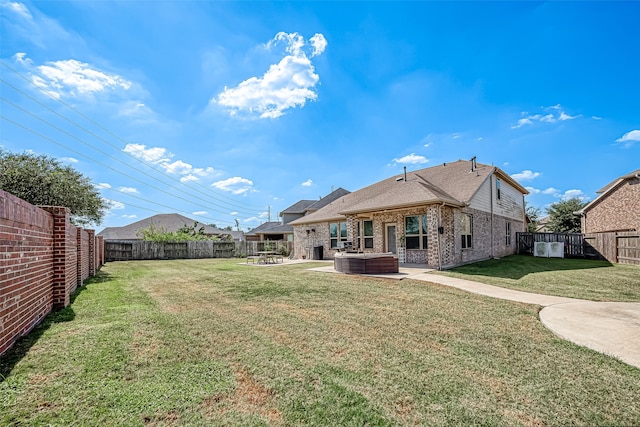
{"points": [[381, 263]]}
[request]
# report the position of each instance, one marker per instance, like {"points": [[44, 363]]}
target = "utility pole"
{"points": [[269, 210]]}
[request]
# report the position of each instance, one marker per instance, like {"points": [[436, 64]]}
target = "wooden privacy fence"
{"points": [[616, 247], [573, 242], [619, 247], [127, 250]]}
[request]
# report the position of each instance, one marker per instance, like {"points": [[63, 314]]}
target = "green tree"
{"points": [[43, 180], [534, 216], [185, 233], [562, 217]]}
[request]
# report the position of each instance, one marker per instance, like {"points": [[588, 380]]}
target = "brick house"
{"points": [[617, 207], [442, 216], [283, 230]]}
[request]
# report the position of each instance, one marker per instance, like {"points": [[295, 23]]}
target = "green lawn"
{"points": [[211, 342], [575, 278]]}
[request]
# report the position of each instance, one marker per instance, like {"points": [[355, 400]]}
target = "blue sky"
{"points": [[222, 111]]}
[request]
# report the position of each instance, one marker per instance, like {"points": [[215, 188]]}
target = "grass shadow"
{"points": [[517, 266], [21, 347]]}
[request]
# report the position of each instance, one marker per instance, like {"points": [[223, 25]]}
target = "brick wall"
{"points": [[618, 210], [43, 258], [448, 243]]}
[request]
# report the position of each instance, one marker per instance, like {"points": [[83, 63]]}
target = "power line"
{"points": [[102, 164], [107, 155], [232, 202], [155, 203]]}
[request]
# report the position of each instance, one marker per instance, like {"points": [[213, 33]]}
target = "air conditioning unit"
{"points": [[556, 249], [548, 249], [540, 249]]}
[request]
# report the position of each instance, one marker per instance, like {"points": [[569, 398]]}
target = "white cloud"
{"points": [[552, 191], [288, 84], [554, 114], [161, 157], [629, 138], [411, 159], [132, 216], [233, 213], [319, 44], [200, 213], [572, 194], [69, 159], [596, 117], [129, 190], [18, 8], [251, 219], [564, 116], [532, 190], [456, 136], [235, 185], [151, 155], [525, 175], [178, 167], [114, 204], [189, 178], [71, 78], [103, 185], [307, 183]]}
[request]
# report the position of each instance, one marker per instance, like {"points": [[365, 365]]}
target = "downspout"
{"points": [[491, 197], [438, 234]]}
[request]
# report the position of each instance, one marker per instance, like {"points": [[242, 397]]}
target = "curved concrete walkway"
{"points": [[612, 328]]}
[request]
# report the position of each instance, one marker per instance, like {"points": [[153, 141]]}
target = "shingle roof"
{"points": [[298, 207], [333, 196], [451, 183], [272, 227], [169, 222]]}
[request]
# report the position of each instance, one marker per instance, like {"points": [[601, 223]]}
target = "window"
{"points": [[415, 231], [498, 188], [338, 233], [368, 234], [466, 231], [508, 234]]}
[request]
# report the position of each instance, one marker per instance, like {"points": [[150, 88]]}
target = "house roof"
{"points": [[169, 222], [298, 207], [272, 227], [607, 189], [451, 183], [331, 197]]}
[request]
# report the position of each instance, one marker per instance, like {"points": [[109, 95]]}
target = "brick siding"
{"points": [[447, 246], [39, 264], [619, 210]]}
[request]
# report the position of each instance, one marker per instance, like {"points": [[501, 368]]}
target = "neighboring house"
{"points": [[168, 222], [282, 230], [543, 225], [273, 230], [442, 216], [617, 208]]}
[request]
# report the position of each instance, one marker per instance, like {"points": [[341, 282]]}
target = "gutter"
{"points": [[438, 231]]}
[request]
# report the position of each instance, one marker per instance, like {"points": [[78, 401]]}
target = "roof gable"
{"points": [[452, 183], [609, 188]]}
